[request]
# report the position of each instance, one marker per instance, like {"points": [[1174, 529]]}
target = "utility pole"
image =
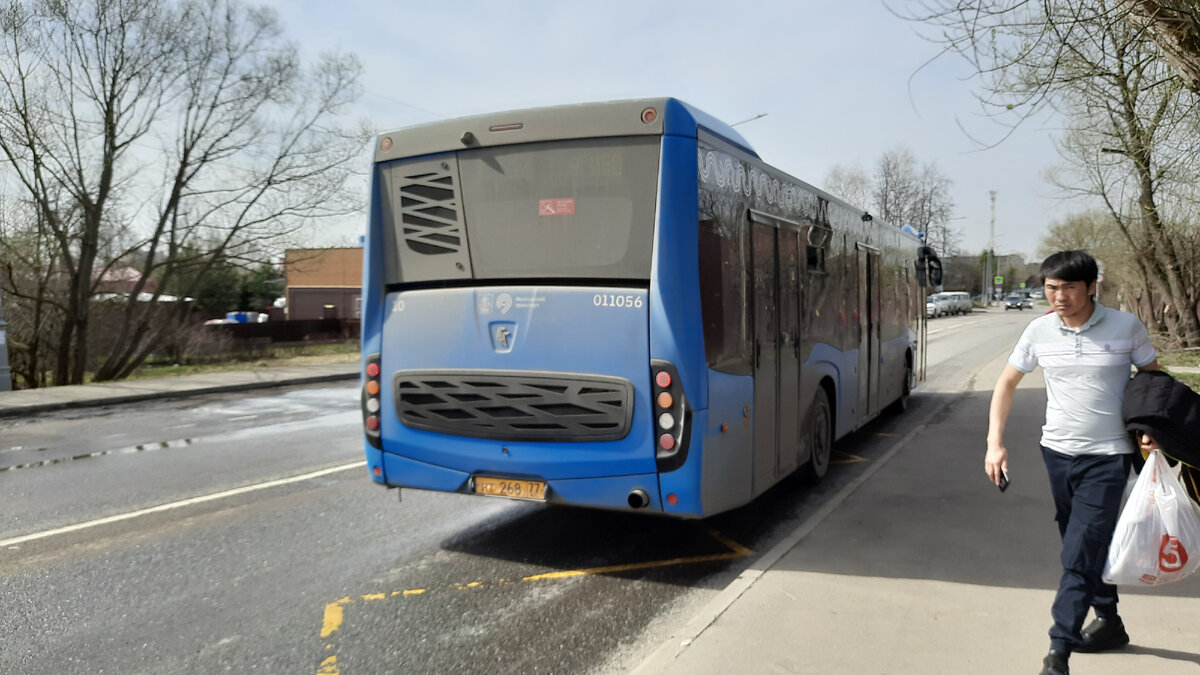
{"points": [[991, 249], [5, 371]]}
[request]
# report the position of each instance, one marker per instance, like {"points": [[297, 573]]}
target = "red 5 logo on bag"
{"points": [[1172, 556]]}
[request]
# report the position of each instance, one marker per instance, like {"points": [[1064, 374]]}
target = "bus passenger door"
{"points": [[766, 353], [868, 331], [789, 351]]}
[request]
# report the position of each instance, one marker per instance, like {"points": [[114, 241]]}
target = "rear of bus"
{"points": [[521, 337]]}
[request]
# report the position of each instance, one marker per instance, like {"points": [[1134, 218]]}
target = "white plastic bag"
{"points": [[1157, 539]]}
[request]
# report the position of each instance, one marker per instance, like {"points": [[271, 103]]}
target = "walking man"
{"points": [[1085, 350]]}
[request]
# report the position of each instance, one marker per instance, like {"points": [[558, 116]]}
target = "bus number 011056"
{"points": [[601, 300]]}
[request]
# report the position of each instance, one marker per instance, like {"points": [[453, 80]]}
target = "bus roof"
{"points": [[580, 120]]}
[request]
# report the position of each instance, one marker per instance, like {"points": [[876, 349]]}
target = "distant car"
{"points": [[941, 305], [1015, 302], [930, 310]]}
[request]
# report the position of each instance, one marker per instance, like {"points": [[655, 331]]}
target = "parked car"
{"points": [[1015, 301], [930, 309], [941, 305], [957, 302]]}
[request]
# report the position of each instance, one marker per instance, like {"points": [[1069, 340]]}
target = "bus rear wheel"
{"points": [[901, 404], [819, 426]]}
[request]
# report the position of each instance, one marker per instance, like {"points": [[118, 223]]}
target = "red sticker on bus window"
{"points": [[556, 207]]}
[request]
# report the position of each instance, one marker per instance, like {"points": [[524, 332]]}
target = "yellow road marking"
{"points": [[335, 611], [742, 551], [633, 566], [329, 666], [848, 458], [333, 616]]}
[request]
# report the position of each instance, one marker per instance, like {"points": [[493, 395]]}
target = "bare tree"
{"points": [[851, 184], [902, 192], [894, 185], [930, 209], [906, 193], [169, 136], [1133, 127], [31, 285], [1132, 120], [1174, 25], [1091, 231]]}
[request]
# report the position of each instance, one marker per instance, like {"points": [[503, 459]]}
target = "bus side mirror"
{"points": [[929, 267], [935, 272]]}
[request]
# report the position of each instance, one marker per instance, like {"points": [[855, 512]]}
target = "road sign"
{"points": [[998, 280]]}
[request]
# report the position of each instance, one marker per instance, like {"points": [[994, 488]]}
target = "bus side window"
{"points": [[722, 296]]}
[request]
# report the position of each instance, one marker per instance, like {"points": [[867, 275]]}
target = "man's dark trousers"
{"points": [[1087, 492]]}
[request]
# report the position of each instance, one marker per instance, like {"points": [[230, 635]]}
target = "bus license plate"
{"points": [[508, 487]]}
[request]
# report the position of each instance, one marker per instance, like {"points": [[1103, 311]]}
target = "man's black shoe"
{"points": [[1102, 634], [1055, 664]]}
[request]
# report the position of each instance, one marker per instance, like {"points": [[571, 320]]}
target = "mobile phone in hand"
{"points": [[1003, 484]]}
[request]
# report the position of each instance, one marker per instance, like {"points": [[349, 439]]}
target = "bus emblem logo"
{"points": [[504, 334]]}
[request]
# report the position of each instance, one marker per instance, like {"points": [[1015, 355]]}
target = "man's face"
{"points": [[1070, 299]]}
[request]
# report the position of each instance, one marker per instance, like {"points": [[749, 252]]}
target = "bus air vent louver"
{"points": [[515, 405], [429, 213]]}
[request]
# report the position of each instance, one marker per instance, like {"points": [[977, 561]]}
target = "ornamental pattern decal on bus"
{"points": [[729, 174]]}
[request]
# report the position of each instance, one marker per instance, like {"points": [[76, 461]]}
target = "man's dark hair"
{"points": [[1070, 266]]}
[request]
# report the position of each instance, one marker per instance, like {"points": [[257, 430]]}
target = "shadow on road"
{"points": [[931, 513], [566, 538]]}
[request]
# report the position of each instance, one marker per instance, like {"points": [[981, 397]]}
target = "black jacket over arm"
{"points": [[1168, 410]]}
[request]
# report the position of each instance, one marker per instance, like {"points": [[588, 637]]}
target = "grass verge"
{"points": [[270, 357]]}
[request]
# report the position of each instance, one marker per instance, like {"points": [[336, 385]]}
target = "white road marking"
{"points": [[15, 541]]}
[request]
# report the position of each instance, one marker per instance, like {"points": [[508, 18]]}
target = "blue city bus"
{"points": [[619, 305]]}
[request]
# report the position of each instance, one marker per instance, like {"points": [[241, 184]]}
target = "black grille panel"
{"points": [[515, 405], [429, 213]]}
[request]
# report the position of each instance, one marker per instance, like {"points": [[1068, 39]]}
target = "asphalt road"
{"points": [[240, 533]]}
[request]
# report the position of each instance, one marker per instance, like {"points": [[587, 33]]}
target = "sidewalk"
{"points": [[921, 566], [30, 401]]}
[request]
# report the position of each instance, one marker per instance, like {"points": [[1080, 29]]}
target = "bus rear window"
{"points": [[564, 210]]}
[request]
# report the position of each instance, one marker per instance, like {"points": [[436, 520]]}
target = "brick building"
{"points": [[323, 283]]}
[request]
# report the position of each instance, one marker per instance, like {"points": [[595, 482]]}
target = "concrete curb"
{"points": [[180, 390]]}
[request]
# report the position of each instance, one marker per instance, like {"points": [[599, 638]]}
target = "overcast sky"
{"points": [[840, 82]]}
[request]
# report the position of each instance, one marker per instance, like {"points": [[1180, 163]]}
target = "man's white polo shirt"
{"points": [[1086, 371]]}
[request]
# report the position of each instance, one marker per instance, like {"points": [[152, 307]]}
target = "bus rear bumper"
{"points": [[625, 493]]}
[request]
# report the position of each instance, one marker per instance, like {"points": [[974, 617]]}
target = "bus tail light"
{"points": [[672, 416], [371, 388]]}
